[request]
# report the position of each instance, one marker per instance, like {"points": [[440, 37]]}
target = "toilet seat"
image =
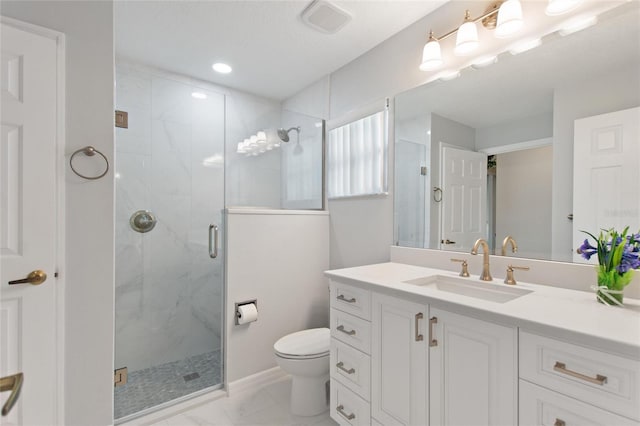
{"points": [[305, 344]]}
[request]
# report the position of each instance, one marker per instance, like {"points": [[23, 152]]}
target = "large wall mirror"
{"points": [[536, 146]]}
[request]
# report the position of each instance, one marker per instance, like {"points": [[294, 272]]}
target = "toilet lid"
{"points": [[314, 341]]}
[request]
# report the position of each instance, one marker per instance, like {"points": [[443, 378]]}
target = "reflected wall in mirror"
{"points": [[519, 116]]}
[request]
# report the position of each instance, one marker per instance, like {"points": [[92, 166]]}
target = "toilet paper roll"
{"points": [[247, 313]]}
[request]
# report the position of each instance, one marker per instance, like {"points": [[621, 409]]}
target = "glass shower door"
{"points": [[169, 287]]}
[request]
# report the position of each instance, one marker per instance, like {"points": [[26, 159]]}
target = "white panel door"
{"points": [[606, 177], [399, 380], [464, 198], [473, 376], [28, 222]]}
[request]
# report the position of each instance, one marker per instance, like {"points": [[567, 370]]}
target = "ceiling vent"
{"points": [[325, 17]]}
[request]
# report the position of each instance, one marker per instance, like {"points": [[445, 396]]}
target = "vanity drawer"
{"points": [[540, 406], [352, 368], [351, 330], [602, 379], [354, 300], [347, 408]]}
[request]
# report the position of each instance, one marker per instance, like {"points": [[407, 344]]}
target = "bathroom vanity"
{"points": [[420, 346]]}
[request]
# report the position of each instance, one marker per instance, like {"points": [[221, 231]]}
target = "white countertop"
{"points": [[574, 315]]}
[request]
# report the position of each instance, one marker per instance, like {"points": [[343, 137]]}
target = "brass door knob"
{"points": [[13, 384], [36, 277]]}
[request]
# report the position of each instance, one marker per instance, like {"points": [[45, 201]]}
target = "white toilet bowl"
{"points": [[305, 355]]}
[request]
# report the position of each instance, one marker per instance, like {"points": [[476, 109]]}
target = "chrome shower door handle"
{"points": [[213, 241]]}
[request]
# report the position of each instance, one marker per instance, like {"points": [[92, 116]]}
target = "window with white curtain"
{"points": [[357, 157]]}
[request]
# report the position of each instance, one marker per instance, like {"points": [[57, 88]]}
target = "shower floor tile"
{"points": [[162, 383]]}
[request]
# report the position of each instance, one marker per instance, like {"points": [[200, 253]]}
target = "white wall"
{"points": [[612, 92], [523, 200], [88, 274], [277, 257], [523, 130]]}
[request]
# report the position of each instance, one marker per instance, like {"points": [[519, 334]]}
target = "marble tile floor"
{"points": [[268, 405], [162, 383]]}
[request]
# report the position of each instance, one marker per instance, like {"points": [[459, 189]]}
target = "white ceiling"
{"points": [[272, 52]]}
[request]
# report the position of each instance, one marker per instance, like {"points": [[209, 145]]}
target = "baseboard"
{"points": [[257, 380]]}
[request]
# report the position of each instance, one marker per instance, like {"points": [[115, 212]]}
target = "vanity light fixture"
{"points": [[558, 7], [503, 16]]}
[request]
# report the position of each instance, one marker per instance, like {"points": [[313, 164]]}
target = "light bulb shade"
{"points": [[558, 7], [431, 56], [241, 149], [509, 18], [467, 39]]}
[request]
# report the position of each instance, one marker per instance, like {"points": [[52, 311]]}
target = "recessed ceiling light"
{"points": [[198, 95], [222, 68]]}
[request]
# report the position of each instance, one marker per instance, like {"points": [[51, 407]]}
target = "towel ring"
{"points": [[437, 194], [89, 151]]}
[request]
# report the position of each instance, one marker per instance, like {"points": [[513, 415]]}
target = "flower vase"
{"points": [[611, 285]]}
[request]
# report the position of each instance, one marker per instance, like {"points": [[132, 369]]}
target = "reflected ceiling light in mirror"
{"points": [[198, 95], [523, 46], [448, 75], [509, 18], [467, 38], [431, 54], [484, 61], [222, 68], [558, 7], [577, 24]]}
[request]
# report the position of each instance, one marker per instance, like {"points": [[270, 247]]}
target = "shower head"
{"points": [[284, 134]]}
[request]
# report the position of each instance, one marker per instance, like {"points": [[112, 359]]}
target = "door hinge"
{"points": [[120, 377], [122, 119], [423, 170]]}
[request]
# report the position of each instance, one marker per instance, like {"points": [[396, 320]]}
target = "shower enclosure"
{"points": [[169, 287], [177, 169]]}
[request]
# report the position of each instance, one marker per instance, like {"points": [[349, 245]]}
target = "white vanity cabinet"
{"points": [[564, 384], [399, 375], [473, 371]]}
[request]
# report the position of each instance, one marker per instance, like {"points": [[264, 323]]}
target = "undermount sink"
{"points": [[471, 288]]}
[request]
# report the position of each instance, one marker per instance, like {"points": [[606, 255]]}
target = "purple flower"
{"points": [[587, 250]]}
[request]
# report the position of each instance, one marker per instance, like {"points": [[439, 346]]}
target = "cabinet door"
{"points": [[399, 389], [472, 371]]}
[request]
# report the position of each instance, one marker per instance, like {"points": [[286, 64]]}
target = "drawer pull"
{"points": [[350, 332], [432, 340], [560, 367], [419, 337], [340, 365], [344, 299], [559, 422], [340, 409]]}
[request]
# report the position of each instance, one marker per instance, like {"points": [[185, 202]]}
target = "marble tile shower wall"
{"points": [[169, 293]]}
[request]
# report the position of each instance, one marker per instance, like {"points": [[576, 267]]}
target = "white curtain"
{"points": [[357, 157]]}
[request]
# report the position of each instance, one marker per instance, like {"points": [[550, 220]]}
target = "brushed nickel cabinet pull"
{"points": [[340, 409], [344, 299], [213, 241], [432, 340], [559, 422], [560, 367], [419, 337], [342, 329], [340, 365]]}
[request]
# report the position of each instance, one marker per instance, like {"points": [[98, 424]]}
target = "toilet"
{"points": [[305, 356]]}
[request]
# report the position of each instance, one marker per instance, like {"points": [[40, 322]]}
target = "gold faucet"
{"points": [[509, 239], [486, 275]]}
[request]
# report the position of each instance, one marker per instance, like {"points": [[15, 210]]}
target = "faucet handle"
{"points": [[465, 271], [510, 279]]}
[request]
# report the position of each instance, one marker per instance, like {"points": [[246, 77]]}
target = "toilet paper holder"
{"points": [[238, 304]]}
